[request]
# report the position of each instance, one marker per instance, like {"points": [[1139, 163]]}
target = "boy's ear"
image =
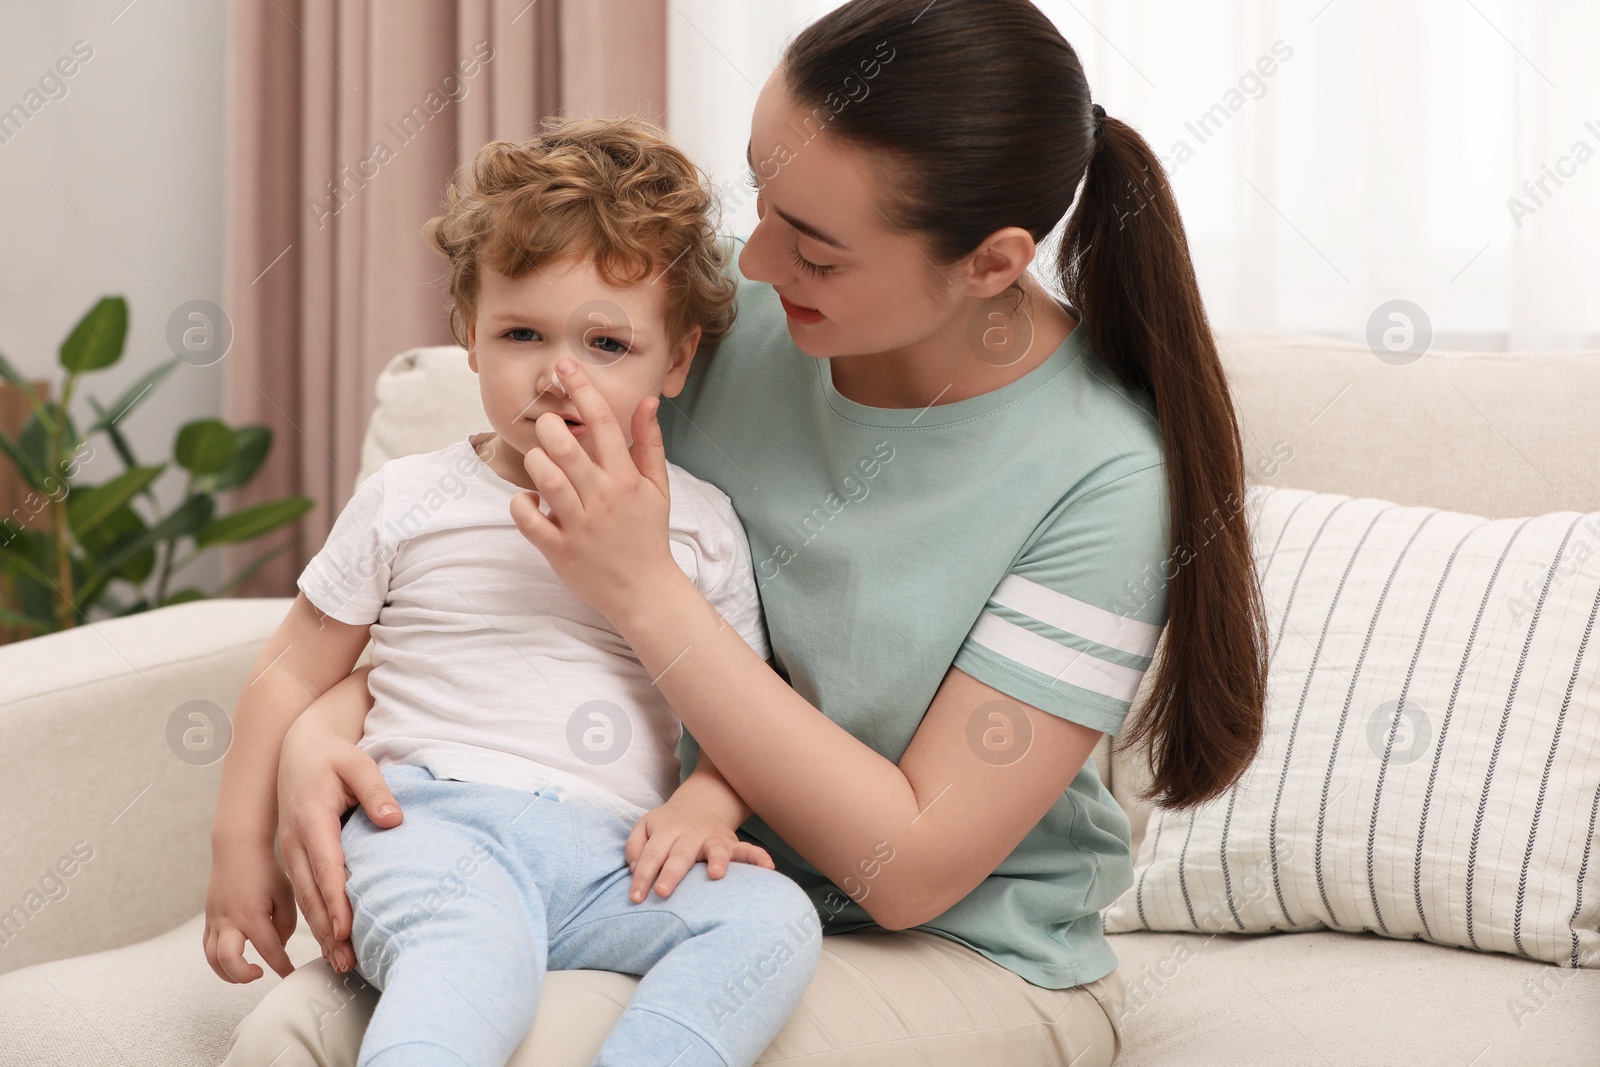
{"points": [[682, 358], [472, 345]]}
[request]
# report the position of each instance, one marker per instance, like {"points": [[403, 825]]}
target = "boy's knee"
{"points": [[783, 905]]}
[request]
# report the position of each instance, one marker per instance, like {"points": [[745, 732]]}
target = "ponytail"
{"points": [[1124, 263]]}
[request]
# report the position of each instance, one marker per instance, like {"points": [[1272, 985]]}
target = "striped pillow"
{"points": [[1431, 763]]}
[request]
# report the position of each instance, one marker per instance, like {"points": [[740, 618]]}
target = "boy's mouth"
{"points": [[573, 422]]}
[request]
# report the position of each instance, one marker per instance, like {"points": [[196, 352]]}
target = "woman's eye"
{"points": [[816, 270], [517, 333], [750, 179]]}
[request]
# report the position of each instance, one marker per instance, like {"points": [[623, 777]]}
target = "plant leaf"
{"points": [[118, 442], [18, 619], [88, 507], [16, 561], [250, 447], [119, 528], [97, 340], [183, 596], [20, 383], [188, 517], [253, 522], [129, 399], [204, 446], [31, 473], [35, 439], [254, 565]]}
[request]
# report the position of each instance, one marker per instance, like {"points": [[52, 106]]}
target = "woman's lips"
{"points": [[799, 312]]}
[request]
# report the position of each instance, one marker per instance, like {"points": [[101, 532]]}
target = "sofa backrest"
{"points": [[1494, 434], [1500, 435]]}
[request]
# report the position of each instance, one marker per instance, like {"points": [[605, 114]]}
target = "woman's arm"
{"points": [[945, 814], [321, 776]]}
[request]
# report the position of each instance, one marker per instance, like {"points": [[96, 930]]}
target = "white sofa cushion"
{"points": [[1431, 763], [1350, 1000], [1292, 1000]]}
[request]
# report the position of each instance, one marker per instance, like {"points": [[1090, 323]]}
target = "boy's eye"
{"points": [[610, 346], [516, 334]]}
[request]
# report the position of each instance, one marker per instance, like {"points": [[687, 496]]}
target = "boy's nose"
{"points": [[552, 384]]}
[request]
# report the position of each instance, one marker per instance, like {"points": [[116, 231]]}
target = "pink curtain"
{"points": [[345, 120]]}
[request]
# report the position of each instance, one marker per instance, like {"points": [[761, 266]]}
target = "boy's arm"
{"points": [[707, 791], [305, 656], [248, 898]]}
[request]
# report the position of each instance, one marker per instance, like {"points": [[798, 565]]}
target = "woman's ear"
{"points": [[999, 261], [682, 358]]}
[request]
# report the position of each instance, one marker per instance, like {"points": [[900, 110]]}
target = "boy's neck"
{"points": [[495, 454]]}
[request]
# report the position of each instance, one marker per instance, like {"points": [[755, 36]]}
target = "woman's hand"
{"points": [[321, 775], [674, 837], [606, 533]]}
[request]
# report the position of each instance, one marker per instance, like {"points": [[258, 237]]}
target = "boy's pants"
{"points": [[460, 910]]}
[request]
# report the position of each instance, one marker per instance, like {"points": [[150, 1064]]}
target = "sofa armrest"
{"points": [[105, 830]]}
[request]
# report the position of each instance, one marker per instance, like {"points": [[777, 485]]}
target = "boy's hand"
{"points": [[248, 898], [669, 840]]}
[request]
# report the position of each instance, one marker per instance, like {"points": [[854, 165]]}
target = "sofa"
{"points": [[105, 812]]}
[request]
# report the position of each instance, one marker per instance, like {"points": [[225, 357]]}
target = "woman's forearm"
{"points": [[343, 709], [830, 797]]}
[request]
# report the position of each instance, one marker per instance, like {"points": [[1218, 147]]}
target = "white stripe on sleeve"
{"points": [[1086, 671], [1076, 617]]}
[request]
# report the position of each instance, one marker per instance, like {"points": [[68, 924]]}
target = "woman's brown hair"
{"points": [[985, 112]]}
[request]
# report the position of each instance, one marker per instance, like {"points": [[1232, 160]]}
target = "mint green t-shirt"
{"points": [[1020, 535]]}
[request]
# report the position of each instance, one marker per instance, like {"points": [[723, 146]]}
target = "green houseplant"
{"points": [[74, 547]]}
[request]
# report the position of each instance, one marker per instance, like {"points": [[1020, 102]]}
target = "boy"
{"points": [[515, 727]]}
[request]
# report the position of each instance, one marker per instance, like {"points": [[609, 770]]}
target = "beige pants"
{"points": [[886, 999]]}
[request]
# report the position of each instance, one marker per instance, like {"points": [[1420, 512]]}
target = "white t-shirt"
{"points": [[486, 667]]}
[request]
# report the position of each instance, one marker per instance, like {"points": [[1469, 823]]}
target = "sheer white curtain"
{"points": [[1329, 156]]}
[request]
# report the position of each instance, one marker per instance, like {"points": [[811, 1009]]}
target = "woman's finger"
{"points": [[610, 447], [649, 452], [534, 524], [566, 502], [306, 894], [366, 783], [564, 453], [317, 829]]}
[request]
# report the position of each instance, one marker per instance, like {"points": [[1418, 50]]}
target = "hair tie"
{"points": [[1099, 119]]}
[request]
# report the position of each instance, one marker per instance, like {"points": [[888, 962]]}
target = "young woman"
{"points": [[972, 508]]}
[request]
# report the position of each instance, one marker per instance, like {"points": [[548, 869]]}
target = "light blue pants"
{"points": [[460, 909]]}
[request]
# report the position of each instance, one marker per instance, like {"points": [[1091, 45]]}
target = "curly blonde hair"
{"points": [[613, 190]]}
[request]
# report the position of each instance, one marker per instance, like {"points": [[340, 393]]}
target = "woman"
{"points": [[972, 510]]}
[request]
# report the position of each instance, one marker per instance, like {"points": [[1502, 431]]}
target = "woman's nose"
{"points": [[756, 264]]}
